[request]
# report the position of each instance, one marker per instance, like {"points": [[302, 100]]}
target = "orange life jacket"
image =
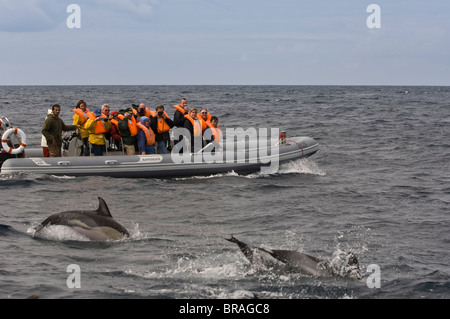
{"points": [[84, 115], [100, 128], [162, 124], [116, 124], [197, 125], [149, 134], [204, 123], [216, 132], [132, 125], [179, 108]]}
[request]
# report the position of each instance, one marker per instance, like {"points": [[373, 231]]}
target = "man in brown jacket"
{"points": [[52, 130]]}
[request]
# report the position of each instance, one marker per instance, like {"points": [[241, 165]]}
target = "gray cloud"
{"points": [[46, 15], [29, 15]]}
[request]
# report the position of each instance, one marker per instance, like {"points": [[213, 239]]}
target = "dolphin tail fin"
{"points": [[241, 244], [247, 250], [103, 209], [232, 239]]}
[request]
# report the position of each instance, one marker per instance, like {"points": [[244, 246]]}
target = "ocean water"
{"points": [[379, 187]]}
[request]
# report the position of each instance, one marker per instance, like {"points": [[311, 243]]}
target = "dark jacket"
{"points": [[125, 132], [179, 119], [53, 128], [154, 126]]}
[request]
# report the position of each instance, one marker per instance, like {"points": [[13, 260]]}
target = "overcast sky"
{"points": [[283, 42]]}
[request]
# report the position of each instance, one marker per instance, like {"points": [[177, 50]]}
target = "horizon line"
{"points": [[81, 85]]}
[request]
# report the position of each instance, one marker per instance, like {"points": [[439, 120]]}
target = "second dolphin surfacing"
{"points": [[303, 263]]}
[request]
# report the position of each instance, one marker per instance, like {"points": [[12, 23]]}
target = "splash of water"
{"points": [[345, 264], [302, 166]]}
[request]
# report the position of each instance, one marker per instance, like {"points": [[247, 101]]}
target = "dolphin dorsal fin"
{"points": [[103, 209]]}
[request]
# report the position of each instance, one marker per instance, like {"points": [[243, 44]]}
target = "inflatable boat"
{"points": [[247, 156], [264, 159]]}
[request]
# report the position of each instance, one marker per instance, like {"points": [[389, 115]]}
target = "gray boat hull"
{"points": [[164, 166]]}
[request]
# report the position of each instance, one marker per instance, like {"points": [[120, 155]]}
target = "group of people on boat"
{"points": [[133, 130]]}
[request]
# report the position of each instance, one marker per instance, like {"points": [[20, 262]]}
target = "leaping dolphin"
{"points": [[303, 263], [96, 225]]}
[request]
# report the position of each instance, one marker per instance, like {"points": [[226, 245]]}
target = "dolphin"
{"points": [[96, 225], [303, 263]]}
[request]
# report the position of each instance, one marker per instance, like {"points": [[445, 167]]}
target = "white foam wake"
{"points": [[301, 166]]}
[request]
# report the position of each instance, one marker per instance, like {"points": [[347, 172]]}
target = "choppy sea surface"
{"points": [[379, 187]]}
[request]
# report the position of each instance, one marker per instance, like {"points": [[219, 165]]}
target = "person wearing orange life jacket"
{"points": [[178, 118], [142, 110], [106, 114], [146, 136], [181, 110], [194, 126], [80, 117], [129, 130], [216, 133], [115, 132], [213, 134], [98, 126], [205, 117], [161, 125]]}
